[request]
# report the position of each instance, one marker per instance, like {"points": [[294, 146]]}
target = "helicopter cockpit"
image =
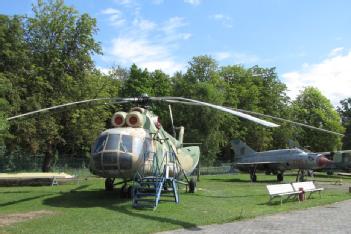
{"points": [[118, 149]]}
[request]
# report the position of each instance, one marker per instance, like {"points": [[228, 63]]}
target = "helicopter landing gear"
{"points": [[330, 172], [109, 184], [126, 191], [253, 176], [280, 177], [300, 176], [192, 185]]}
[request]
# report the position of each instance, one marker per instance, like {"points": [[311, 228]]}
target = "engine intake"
{"points": [[135, 119], [119, 119]]}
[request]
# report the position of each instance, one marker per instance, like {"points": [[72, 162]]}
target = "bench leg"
{"points": [[270, 200], [310, 195]]}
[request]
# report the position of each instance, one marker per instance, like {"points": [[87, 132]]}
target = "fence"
{"points": [[18, 161]]}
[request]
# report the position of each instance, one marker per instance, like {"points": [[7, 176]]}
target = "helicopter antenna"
{"points": [[171, 115]]}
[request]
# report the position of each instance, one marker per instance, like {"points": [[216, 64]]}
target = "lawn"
{"points": [[87, 208]]}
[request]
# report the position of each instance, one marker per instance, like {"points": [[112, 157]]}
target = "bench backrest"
{"points": [[279, 188], [308, 185]]}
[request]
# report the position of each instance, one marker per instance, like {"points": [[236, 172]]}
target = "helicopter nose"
{"points": [[322, 161]]}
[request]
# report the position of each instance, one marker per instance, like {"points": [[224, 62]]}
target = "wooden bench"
{"points": [[307, 186], [281, 190]]}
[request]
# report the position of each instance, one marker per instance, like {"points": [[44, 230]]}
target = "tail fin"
{"points": [[241, 149]]}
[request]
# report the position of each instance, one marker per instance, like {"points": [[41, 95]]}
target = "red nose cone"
{"points": [[322, 161]]}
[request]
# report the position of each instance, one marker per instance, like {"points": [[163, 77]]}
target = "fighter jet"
{"points": [[276, 161]]}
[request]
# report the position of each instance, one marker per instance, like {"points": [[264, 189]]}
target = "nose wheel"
{"points": [[192, 185], [126, 191], [253, 176], [109, 184], [280, 177]]}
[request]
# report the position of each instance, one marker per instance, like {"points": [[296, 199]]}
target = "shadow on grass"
{"points": [[183, 224], [77, 198], [14, 192], [24, 200], [228, 196], [244, 181]]}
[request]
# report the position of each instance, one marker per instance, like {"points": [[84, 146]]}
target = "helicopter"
{"points": [[138, 149]]}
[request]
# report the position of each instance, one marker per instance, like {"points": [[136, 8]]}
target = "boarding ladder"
{"points": [[150, 184]]}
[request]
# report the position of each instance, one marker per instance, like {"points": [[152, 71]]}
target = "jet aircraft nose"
{"points": [[322, 161]]}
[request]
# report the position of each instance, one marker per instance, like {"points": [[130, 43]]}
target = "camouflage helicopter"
{"points": [[138, 149]]}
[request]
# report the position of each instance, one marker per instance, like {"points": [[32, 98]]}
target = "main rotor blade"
{"points": [[289, 121], [113, 101], [221, 108]]}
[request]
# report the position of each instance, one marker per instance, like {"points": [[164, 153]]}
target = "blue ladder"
{"points": [[150, 189]]}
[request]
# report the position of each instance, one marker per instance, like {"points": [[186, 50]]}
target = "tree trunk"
{"points": [[48, 158]]}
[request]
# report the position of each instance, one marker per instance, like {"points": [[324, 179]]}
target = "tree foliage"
{"points": [[46, 60], [312, 108], [345, 112]]}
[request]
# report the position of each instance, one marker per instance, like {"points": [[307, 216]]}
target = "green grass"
{"points": [[87, 208]]}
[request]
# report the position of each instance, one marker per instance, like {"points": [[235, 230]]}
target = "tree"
{"points": [[345, 112], [312, 108], [201, 82], [60, 44], [201, 69], [14, 64], [259, 90]]}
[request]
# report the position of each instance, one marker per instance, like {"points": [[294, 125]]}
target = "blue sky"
{"points": [[307, 41]]}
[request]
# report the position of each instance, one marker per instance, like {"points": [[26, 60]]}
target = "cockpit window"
{"points": [[126, 144], [100, 143], [112, 142]]}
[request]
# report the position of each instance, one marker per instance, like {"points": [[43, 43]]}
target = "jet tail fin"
{"points": [[241, 149]]}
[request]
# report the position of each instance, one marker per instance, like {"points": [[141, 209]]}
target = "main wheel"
{"points": [[109, 184], [130, 191], [124, 191], [330, 172], [280, 177], [192, 185]]}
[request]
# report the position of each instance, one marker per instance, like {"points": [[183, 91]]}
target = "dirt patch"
{"points": [[9, 219]]}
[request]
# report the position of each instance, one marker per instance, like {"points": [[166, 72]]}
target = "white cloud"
{"points": [[104, 70], [144, 25], [225, 20], [238, 57], [157, 2], [220, 56], [193, 2], [336, 51], [332, 77], [148, 44], [110, 11], [244, 58], [172, 24], [115, 16], [124, 2], [136, 50], [145, 54]]}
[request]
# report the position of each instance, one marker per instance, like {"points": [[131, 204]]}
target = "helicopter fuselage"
{"points": [[122, 151]]}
